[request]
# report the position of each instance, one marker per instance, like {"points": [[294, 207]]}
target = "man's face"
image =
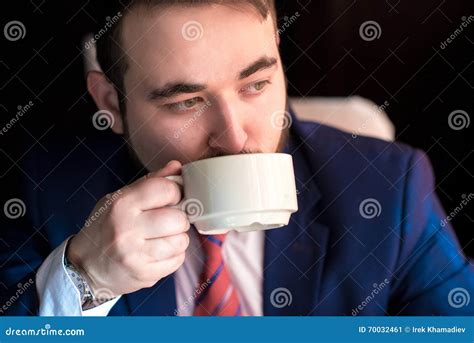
{"points": [[201, 81]]}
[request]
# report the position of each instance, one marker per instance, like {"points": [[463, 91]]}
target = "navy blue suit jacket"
{"points": [[330, 257]]}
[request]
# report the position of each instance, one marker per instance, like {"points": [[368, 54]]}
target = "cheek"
{"points": [[272, 117], [275, 99], [262, 135], [148, 124], [271, 137], [146, 135], [142, 124], [160, 138]]}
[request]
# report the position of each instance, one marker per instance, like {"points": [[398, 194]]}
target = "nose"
{"points": [[227, 129]]}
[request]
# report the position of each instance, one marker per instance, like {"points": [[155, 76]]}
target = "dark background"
{"points": [[324, 56]]}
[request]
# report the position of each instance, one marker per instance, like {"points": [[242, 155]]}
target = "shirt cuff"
{"points": [[58, 296]]}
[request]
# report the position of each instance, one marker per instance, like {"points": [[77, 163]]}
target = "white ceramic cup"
{"points": [[243, 192]]}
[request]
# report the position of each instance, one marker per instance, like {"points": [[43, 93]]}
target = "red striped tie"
{"points": [[218, 297]]}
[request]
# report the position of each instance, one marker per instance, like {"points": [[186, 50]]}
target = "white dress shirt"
{"points": [[242, 254]]}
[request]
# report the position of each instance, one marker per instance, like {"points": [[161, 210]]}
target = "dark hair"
{"points": [[110, 54]]}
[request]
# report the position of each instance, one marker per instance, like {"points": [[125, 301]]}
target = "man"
{"points": [[188, 80]]}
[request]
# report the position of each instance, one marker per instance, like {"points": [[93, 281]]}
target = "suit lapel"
{"points": [[293, 263], [294, 255]]}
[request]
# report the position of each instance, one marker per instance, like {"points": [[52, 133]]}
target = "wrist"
{"points": [[89, 295], [71, 253], [73, 257], [73, 261], [85, 293]]}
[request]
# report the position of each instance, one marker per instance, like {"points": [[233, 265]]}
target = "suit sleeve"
{"points": [[33, 280], [22, 250], [433, 276]]}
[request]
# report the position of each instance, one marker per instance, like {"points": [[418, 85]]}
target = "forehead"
{"points": [[184, 41]]}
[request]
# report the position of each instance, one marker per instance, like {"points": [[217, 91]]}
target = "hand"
{"points": [[132, 239]]}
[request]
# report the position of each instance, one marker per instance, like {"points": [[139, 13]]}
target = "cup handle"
{"points": [[179, 180]]}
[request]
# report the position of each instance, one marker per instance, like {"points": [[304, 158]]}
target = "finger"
{"points": [[166, 247], [161, 269], [173, 167], [154, 191], [162, 222]]}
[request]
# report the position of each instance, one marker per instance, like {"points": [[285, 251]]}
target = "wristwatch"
{"points": [[85, 292]]}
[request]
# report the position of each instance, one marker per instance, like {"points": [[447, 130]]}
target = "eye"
{"points": [[185, 105], [256, 87]]}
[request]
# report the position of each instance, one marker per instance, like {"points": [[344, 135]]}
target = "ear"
{"points": [[105, 97]]}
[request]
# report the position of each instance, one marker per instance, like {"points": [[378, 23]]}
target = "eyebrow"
{"points": [[172, 89], [260, 64]]}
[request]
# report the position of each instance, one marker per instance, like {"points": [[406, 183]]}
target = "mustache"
{"points": [[219, 153]]}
